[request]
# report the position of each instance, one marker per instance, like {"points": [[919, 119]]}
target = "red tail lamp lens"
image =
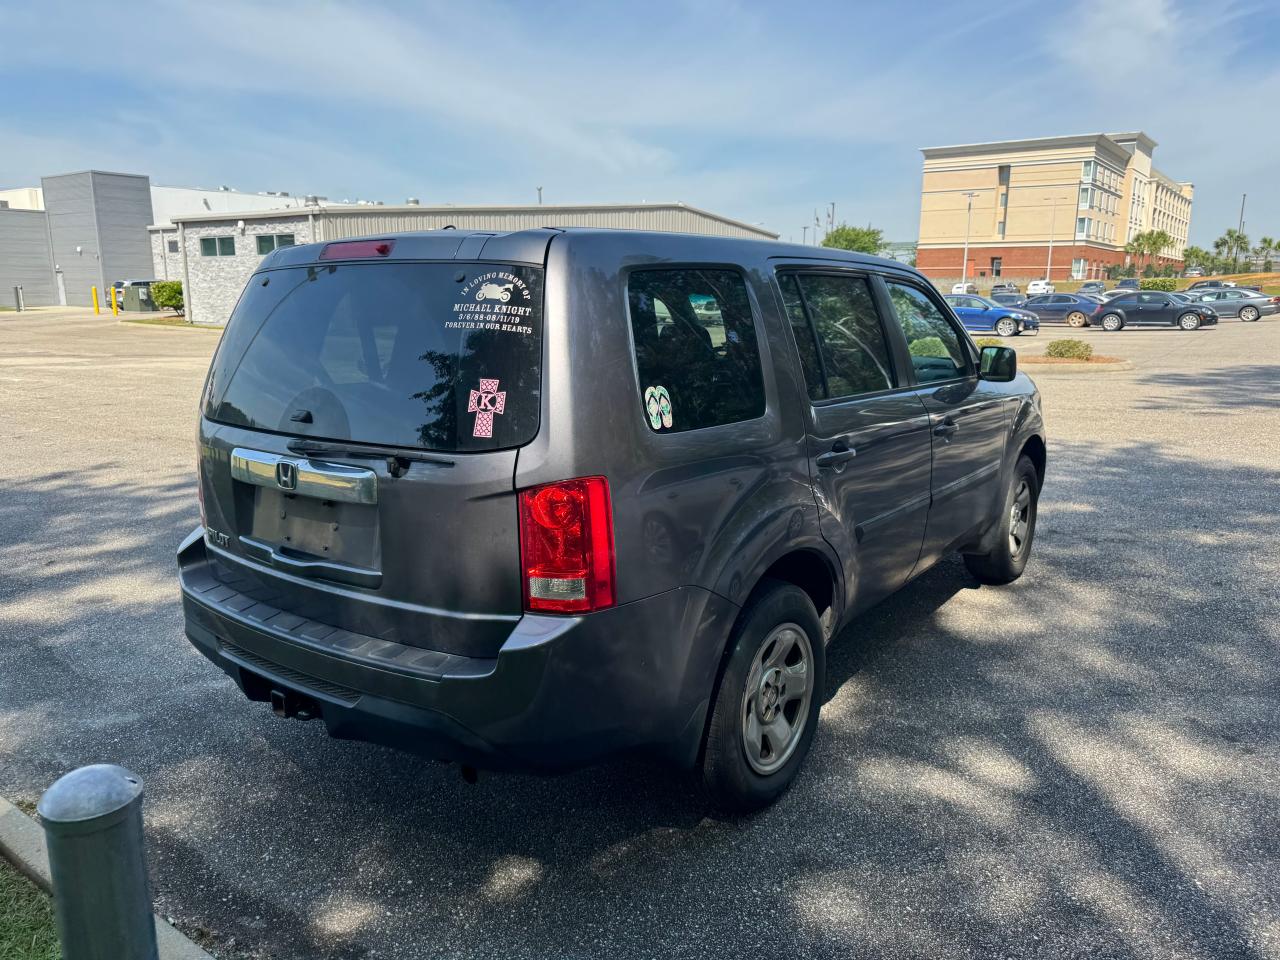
{"points": [[356, 249], [566, 546]]}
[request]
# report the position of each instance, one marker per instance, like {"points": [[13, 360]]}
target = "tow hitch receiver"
{"points": [[287, 704]]}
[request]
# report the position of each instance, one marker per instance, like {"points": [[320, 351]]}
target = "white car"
{"points": [[1040, 286], [968, 288]]}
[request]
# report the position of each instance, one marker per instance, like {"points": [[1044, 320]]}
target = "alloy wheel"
{"points": [[1076, 319], [1249, 314], [1189, 321], [1006, 327], [775, 703], [1019, 518], [1111, 322]]}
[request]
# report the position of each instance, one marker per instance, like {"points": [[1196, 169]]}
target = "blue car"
{"points": [[980, 315]]}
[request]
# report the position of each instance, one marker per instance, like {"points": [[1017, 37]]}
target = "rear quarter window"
{"points": [[696, 351]]}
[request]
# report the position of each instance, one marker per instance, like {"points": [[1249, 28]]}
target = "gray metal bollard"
{"points": [[19, 302], [93, 825]]}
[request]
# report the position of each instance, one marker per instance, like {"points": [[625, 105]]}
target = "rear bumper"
{"points": [[562, 692]]}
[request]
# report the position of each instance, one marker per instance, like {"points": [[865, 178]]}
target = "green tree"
{"points": [[1236, 244], [1198, 257], [1262, 253], [168, 293], [862, 239]]}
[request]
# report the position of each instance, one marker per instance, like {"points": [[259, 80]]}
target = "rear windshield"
{"points": [[442, 356]]}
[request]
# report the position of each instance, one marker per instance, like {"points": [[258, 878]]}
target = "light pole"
{"points": [[1053, 224], [968, 219], [804, 234]]}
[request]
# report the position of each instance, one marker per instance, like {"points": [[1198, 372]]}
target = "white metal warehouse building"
{"points": [[214, 254]]}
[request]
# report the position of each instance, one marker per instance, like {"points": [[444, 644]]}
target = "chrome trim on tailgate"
{"points": [[307, 478]]}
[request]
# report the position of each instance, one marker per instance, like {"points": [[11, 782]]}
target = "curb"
{"points": [[22, 843], [1040, 369]]}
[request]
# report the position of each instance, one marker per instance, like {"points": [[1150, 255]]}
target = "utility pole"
{"points": [[1235, 264], [804, 234], [968, 219], [1053, 225]]}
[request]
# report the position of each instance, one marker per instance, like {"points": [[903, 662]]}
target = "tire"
{"points": [[1249, 314], [1007, 327], [1077, 319], [1112, 322], [1008, 558], [1189, 321], [779, 618]]}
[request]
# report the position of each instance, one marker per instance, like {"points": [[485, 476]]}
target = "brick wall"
{"points": [[216, 282], [1021, 262]]}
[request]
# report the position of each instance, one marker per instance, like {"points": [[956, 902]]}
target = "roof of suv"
{"points": [[529, 246]]}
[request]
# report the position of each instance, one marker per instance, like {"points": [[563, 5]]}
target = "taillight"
{"points": [[566, 546], [356, 249]]}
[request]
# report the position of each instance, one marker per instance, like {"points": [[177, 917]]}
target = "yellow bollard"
{"points": [[115, 303], [94, 291]]}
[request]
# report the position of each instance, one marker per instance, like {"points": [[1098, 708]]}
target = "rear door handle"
{"points": [[946, 428], [836, 457]]}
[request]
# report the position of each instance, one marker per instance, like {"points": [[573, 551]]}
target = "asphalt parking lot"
{"points": [[1086, 763]]}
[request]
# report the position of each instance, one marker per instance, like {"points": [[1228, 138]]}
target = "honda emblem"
{"points": [[286, 475]]}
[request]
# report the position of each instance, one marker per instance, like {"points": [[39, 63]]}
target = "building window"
{"points": [[173, 246], [217, 246], [1002, 174], [269, 241], [1082, 227], [1004, 199], [1086, 198], [1000, 229], [1077, 268], [1086, 171], [997, 264]]}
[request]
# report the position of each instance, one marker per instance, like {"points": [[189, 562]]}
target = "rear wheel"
{"points": [[1189, 321], [1112, 322], [1249, 314], [766, 709], [1006, 326], [1017, 527], [1076, 319]]}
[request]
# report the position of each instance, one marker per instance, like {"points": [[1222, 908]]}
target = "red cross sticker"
{"points": [[484, 403]]}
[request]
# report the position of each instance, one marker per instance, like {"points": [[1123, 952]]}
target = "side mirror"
{"points": [[999, 364]]}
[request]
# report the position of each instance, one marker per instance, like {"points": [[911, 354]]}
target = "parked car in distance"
{"points": [[1193, 272], [1152, 308], [1039, 286], [1211, 284], [1009, 299], [1073, 309], [1093, 286], [1004, 286], [118, 288], [964, 288], [477, 548], [1129, 283], [981, 315], [1247, 304]]}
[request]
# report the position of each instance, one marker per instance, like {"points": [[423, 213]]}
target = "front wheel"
{"points": [[1189, 321], [1016, 529], [1006, 327], [1112, 322], [1249, 314], [1077, 319], [766, 708]]}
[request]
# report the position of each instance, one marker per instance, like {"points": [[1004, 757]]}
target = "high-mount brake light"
{"points": [[356, 249], [566, 546]]}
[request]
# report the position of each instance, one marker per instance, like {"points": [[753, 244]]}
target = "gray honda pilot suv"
{"points": [[529, 500]]}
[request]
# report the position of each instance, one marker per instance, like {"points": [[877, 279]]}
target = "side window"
{"points": [[1154, 299], [695, 346], [852, 349], [806, 344], [936, 350]]}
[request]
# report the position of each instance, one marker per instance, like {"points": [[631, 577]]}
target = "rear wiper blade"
{"points": [[367, 452]]}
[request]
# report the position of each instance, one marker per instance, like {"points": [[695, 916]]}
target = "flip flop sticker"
{"points": [[657, 404]]}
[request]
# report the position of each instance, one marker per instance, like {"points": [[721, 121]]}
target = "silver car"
{"points": [[1246, 304]]}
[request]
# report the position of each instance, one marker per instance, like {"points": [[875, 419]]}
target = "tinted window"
{"points": [[936, 350], [1154, 298], [695, 347], [391, 353], [1126, 298], [806, 343], [1061, 298], [1038, 300], [851, 341]]}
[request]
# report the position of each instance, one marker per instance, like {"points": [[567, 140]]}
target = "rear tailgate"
{"points": [[358, 445]]}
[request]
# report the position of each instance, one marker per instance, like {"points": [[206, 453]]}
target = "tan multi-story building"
{"points": [[1057, 207]]}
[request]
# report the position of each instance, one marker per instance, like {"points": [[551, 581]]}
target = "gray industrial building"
{"points": [[214, 254], [92, 231]]}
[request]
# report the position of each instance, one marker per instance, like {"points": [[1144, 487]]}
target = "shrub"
{"points": [[1069, 350], [168, 294], [989, 342], [1158, 283], [928, 347]]}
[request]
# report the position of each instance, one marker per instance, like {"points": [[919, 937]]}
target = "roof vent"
{"points": [[413, 202]]}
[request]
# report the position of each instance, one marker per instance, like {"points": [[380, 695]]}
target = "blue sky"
{"points": [[760, 111]]}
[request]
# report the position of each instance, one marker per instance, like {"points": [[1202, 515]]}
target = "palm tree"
{"points": [[1265, 248], [1237, 243], [1157, 242], [1220, 255]]}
